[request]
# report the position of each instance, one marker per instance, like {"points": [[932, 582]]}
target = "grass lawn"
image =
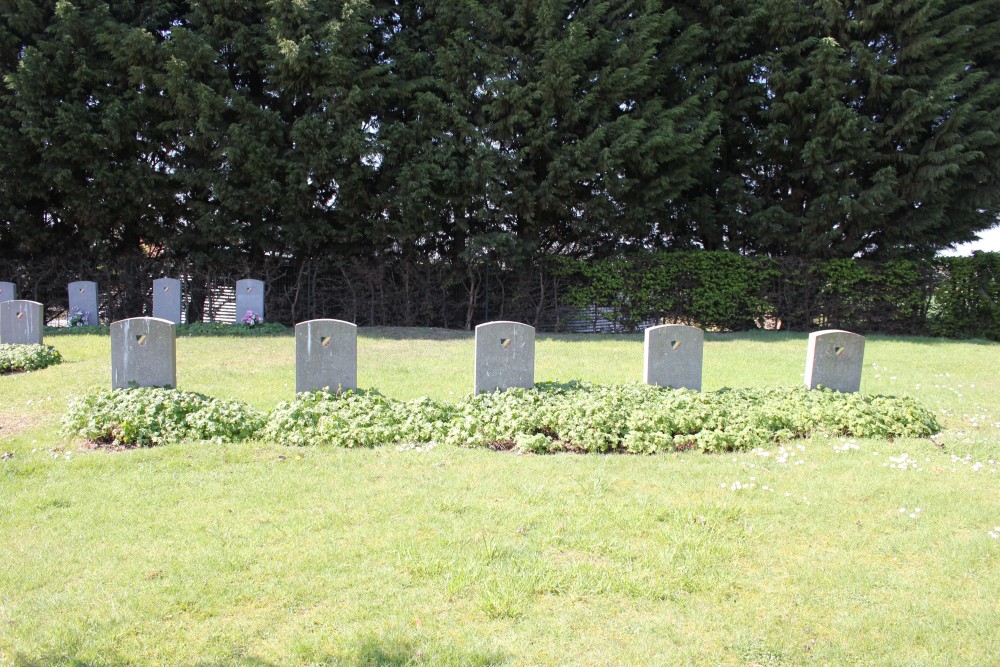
{"points": [[824, 551]]}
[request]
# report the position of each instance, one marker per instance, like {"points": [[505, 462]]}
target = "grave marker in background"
{"points": [[83, 299], [21, 322], [8, 292], [143, 353], [834, 359], [167, 299], [249, 298], [505, 356], [672, 356], [326, 355]]}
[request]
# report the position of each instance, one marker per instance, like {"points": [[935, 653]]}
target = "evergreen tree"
{"points": [[881, 130], [83, 161], [599, 122]]}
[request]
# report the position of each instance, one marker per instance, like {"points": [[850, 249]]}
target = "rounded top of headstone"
{"points": [[836, 332], [674, 327], [82, 283], [15, 302], [508, 323], [324, 321], [143, 320]]}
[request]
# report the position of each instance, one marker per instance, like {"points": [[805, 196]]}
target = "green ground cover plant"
{"points": [[145, 416], [636, 418], [552, 417], [827, 549], [20, 358]]}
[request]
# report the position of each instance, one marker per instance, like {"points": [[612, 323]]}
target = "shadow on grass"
{"points": [[381, 652], [414, 333], [366, 652]]}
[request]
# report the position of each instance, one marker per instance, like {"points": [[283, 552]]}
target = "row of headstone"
{"points": [[672, 357], [83, 304], [143, 353]]}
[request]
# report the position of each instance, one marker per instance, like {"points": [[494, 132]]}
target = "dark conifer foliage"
{"points": [[460, 130]]}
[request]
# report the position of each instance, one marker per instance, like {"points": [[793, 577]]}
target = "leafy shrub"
{"points": [[356, 419], [21, 358], [143, 417]]}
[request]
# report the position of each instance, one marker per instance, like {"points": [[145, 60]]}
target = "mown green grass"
{"points": [[255, 554]]}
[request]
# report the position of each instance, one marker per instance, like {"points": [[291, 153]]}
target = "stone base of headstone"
{"points": [[143, 353], [834, 360]]}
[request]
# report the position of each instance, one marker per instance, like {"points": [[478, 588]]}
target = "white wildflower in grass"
{"points": [[901, 462], [845, 446]]}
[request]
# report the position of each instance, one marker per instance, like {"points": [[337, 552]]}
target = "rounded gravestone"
{"points": [[143, 353], [249, 299], [8, 292], [167, 299], [21, 322], [83, 302], [505, 356], [672, 356], [326, 355], [834, 359]]}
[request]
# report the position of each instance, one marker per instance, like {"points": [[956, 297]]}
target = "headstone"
{"points": [[21, 322], [672, 356], [833, 360], [83, 302], [326, 355], [249, 299], [505, 356], [143, 353], [8, 292], [167, 299]]}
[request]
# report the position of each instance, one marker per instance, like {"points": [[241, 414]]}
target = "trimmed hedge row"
{"points": [[957, 297]]}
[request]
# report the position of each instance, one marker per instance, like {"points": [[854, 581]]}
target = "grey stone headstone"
{"points": [[326, 355], [83, 297], [505, 356], [143, 352], [834, 359], [672, 356], [8, 292], [21, 322], [249, 297], [167, 299]]}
